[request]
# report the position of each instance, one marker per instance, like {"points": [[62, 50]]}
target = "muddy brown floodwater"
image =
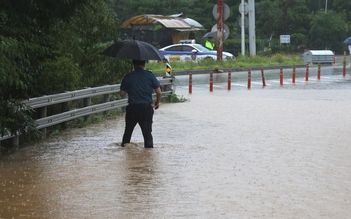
{"points": [[259, 153]]}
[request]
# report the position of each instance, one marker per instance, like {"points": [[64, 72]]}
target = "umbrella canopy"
{"points": [[207, 35], [348, 40], [133, 49]]}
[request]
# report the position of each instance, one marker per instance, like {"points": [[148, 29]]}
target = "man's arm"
{"points": [[122, 93], [158, 97]]}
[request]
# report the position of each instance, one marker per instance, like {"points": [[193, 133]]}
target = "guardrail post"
{"points": [[15, 141], [64, 108], [43, 114], [166, 87], [87, 102], [106, 99]]}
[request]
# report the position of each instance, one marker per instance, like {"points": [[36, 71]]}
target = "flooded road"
{"points": [[277, 152]]}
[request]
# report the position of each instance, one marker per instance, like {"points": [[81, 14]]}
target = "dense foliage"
{"points": [[48, 47], [297, 18]]}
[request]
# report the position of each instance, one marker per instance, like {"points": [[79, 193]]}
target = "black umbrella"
{"points": [[133, 49], [208, 35], [348, 40]]}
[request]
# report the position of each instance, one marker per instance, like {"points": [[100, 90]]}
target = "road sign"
{"points": [[226, 11], [246, 8], [225, 32], [246, 21], [284, 38]]}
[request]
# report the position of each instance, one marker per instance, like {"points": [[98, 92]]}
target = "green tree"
{"points": [[291, 17], [49, 47], [267, 15], [282, 17], [328, 30], [315, 6], [25, 28], [79, 43], [344, 7]]}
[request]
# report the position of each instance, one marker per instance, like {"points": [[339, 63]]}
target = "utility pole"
{"points": [[242, 10], [220, 29], [252, 28]]}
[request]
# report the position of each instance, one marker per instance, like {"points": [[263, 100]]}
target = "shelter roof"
{"points": [[176, 21]]}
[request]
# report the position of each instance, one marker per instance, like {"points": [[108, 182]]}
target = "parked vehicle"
{"points": [[188, 50]]}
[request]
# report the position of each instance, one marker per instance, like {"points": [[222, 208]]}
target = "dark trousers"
{"points": [[141, 114]]}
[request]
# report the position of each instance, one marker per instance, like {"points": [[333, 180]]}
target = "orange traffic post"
{"points": [[307, 71], [281, 75], [211, 81], [319, 71], [190, 83], [263, 79], [294, 74], [229, 79], [249, 79], [344, 66]]}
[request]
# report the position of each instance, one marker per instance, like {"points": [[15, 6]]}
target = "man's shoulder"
{"points": [[149, 74]]}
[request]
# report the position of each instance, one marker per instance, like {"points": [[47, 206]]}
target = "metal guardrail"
{"points": [[43, 102], [71, 95]]}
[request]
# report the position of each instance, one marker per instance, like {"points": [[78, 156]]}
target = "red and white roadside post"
{"points": [[249, 79], [294, 74], [211, 81], [307, 71], [263, 79], [344, 66], [190, 83], [229, 79], [281, 76]]}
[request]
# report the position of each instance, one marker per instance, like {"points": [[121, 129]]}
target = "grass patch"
{"points": [[56, 132], [240, 61], [173, 98]]}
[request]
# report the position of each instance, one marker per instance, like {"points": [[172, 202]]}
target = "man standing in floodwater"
{"points": [[139, 85]]}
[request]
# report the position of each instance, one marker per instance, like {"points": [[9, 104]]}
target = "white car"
{"points": [[188, 50]]}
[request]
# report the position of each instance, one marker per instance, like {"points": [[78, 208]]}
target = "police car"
{"points": [[188, 50]]}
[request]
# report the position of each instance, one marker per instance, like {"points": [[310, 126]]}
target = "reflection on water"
{"points": [[265, 153]]}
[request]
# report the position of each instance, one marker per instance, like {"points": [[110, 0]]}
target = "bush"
{"points": [[173, 98]]}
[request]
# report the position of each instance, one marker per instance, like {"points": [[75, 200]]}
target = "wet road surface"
{"points": [[277, 152]]}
